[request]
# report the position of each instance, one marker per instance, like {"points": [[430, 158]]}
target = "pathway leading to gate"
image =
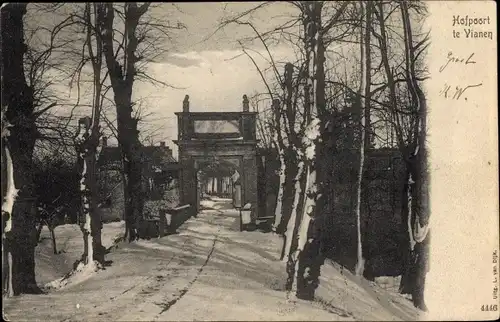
{"points": [[209, 271]]}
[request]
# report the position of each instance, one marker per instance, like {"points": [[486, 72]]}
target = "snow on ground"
{"points": [[207, 204], [214, 203], [51, 267], [80, 274], [208, 271]]}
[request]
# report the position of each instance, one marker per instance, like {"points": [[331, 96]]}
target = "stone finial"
{"points": [[246, 106], [185, 104]]}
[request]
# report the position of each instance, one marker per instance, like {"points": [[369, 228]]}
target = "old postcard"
{"points": [[463, 139], [232, 161]]}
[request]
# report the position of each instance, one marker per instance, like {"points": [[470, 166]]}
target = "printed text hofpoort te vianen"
{"points": [[469, 22]]}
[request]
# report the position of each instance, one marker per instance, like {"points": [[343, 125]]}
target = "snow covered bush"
{"points": [[169, 199]]}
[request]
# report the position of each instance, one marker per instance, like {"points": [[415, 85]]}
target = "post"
{"points": [[172, 226], [162, 222], [249, 184]]}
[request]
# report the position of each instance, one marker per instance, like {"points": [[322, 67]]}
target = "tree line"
{"points": [[375, 88], [105, 48]]}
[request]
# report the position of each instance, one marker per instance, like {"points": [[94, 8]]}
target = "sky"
{"points": [[202, 63]]}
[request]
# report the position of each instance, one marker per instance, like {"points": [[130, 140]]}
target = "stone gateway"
{"points": [[225, 138]]}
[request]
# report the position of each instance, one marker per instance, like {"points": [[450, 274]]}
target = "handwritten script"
{"points": [[452, 63]]}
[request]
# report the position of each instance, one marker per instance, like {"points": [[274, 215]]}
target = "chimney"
{"points": [[104, 141], [162, 143], [185, 104], [246, 107]]}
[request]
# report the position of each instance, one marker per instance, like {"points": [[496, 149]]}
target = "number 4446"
{"points": [[491, 307]]}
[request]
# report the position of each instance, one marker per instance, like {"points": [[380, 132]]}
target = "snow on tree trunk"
{"points": [[18, 108], [279, 200], [364, 95], [360, 263], [10, 197], [81, 142], [281, 219], [7, 207], [278, 142], [303, 260], [409, 202], [86, 210], [417, 205], [289, 234]]}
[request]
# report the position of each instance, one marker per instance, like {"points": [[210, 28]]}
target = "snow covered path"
{"points": [[209, 271]]}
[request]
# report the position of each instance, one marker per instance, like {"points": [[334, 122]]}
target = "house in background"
{"points": [[160, 174]]}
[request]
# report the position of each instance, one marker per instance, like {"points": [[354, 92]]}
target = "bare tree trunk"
{"points": [[384, 53], [291, 204], [297, 229], [284, 151], [82, 217], [364, 94], [53, 237], [304, 251], [279, 199], [88, 142], [122, 80], [291, 242], [125, 198], [278, 142], [96, 221], [291, 170], [83, 161], [86, 243], [39, 232], [289, 254], [417, 185], [309, 258], [18, 106], [7, 207], [405, 285]]}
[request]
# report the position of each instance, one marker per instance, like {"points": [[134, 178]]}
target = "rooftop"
{"points": [[158, 155]]}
